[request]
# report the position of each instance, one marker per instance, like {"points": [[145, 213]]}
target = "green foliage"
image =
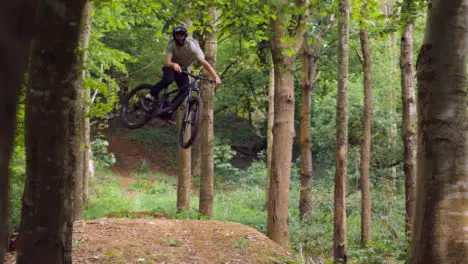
{"points": [[17, 180], [100, 155], [222, 155], [171, 241], [144, 168], [314, 236], [17, 167], [106, 196], [140, 185], [242, 243]]}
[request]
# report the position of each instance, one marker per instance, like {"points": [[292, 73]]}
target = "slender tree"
{"points": [[185, 162], [305, 200], [310, 56], [339, 240], [16, 31], [46, 223], [185, 176], [86, 130], [366, 136], [270, 120], [409, 111], [440, 232], [277, 227], [77, 136], [207, 143], [388, 7]]}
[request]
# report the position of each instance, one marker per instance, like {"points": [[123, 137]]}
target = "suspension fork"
{"points": [[193, 87]]}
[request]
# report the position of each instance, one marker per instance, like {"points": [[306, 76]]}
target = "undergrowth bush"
{"points": [[16, 185], [106, 196], [100, 155]]}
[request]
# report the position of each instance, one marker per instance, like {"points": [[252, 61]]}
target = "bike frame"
{"points": [[177, 101]]}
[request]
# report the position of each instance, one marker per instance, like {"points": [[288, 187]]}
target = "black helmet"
{"points": [[179, 29]]}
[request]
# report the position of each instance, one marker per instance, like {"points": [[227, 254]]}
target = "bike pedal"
{"points": [[171, 122]]}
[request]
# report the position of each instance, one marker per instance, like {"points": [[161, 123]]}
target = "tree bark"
{"points": [[283, 128], [16, 30], [185, 176], [271, 115], [387, 7], [409, 120], [77, 118], [440, 228], [86, 128], [184, 180], [283, 125], [308, 67], [366, 139], [75, 149], [46, 223], [196, 164], [341, 173], [207, 143], [310, 56]]}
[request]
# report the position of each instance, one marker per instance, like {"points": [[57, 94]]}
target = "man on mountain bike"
{"points": [[181, 53]]}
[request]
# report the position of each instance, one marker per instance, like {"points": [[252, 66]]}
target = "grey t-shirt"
{"points": [[185, 55]]}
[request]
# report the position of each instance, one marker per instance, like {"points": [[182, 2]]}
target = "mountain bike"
{"points": [[137, 107]]}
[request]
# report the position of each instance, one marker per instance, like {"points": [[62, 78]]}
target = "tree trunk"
{"points": [[389, 6], [85, 35], [75, 149], [271, 115], [46, 223], [207, 144], [341, 173], [409, 120], [77, 162], [366, 139], [440, 229], [283, 128], [16, 28], [184, 180], [250, 111], [185, 177], [308, 67], [283, 125], [196, 164], [310, 56], [196, 146], [88, 167]]}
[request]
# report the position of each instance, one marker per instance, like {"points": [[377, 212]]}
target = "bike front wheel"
{"points": [[191, 123], [135, 109]]}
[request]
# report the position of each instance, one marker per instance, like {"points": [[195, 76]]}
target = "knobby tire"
{"points": [[194, 106]]}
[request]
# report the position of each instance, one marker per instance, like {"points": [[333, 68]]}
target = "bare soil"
{"points": [[129, 156], [163, 241]]}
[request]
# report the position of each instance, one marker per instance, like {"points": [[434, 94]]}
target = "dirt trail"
{"points": [[172, 241], [130, 155], [161, 241]]}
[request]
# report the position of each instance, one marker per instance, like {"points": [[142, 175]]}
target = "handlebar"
{"points": [[198, 77]]}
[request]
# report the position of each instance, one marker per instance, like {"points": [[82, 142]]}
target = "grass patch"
{"points": [[242, 243], [245, 203], [170, 241]]}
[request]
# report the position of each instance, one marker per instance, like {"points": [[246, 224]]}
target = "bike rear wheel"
{"points": [[135, 110], [191, 123]]}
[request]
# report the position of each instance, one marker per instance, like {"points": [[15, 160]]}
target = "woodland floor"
{"points": [[146, 238], [158, 241]]}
